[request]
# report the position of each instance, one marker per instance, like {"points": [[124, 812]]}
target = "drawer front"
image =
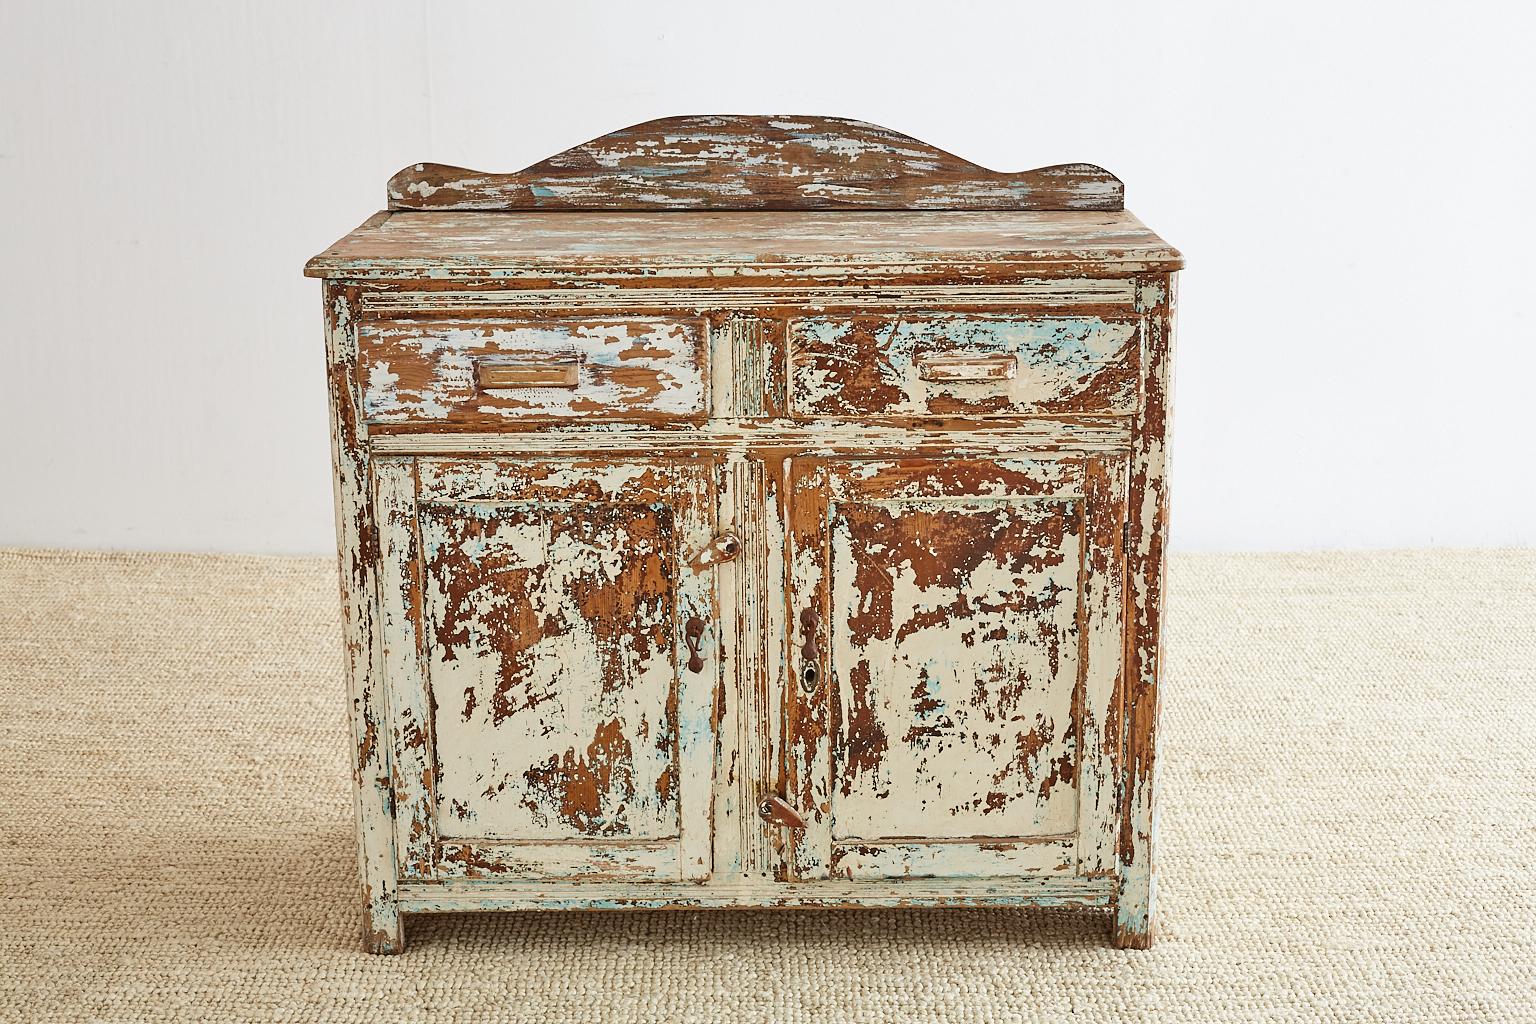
{"points": [[963, 364], [490, 374]]}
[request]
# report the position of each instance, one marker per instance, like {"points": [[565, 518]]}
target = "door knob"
{"points": [[780, 813], [723, 548]]}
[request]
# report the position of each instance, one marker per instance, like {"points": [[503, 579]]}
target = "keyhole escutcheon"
{"points": [[693, 633]]}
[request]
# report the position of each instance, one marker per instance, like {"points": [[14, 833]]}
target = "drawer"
{"points": [[963, 364], [494, 373]]}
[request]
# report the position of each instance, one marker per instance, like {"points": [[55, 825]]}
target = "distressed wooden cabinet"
{"points": [[752, 512]]}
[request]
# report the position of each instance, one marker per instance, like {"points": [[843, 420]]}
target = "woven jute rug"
{"points": [[1349, 825]]}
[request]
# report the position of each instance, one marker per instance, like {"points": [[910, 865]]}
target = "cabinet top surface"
{"points": [[409, 243]]}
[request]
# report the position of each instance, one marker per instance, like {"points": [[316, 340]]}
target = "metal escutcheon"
{"points": [[810, 654], [693, 633]]}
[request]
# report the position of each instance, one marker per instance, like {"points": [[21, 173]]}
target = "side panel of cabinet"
{"points": [[551, 717], [957, 652]]}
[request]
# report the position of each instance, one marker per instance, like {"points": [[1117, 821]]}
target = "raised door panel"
{"points": [[552, 670], [957, 654]]}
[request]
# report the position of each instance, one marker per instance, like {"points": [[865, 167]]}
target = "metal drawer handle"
{"points": [[958, 367], [531, 373]]}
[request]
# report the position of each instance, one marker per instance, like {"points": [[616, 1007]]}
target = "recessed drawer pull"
{"points": [[996, 366], [491, 373]]}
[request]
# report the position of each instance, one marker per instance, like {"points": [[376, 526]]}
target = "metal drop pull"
{"points": [[810, 654], [774, 809], [693, 633]]}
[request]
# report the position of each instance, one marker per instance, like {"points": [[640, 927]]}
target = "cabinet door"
{"points": [[955, 656], [551, 663]]}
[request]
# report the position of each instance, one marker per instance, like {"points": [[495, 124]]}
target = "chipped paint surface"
{"points": [[1066, 291], [726, 162], [1039, 890], [993, 859], [617, 862], [937, 446], [724, 250], [357, 546], [549, 632], [846, 367], [954, 651], [552, 728], [1136, 908], [965, 723], [948, 740], [622, 367]]}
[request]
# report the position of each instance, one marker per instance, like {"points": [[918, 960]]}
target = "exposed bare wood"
{"points": [[744, 162], [482, 373], [554, 370], [1101, 667], [922, 363], [1043, 294], [636, 861], [402, 628], [956, 641], [551, 692], [936, 437]]}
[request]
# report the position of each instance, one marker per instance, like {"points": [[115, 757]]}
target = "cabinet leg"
{"points": [[1134, 923], [383, 928]]}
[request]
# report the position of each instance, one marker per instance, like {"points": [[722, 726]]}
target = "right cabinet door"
{"points": [[954, 661]]}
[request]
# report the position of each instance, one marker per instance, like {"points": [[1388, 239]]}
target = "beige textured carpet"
{"points": [[1349, 825]]}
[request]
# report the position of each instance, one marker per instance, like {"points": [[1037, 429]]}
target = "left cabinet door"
{"points": [[551, 663]]}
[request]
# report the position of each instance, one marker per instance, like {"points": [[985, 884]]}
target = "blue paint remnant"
{"points": [[657, 172]]}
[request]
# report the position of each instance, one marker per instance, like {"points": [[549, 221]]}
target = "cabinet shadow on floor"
{"points": [[769, 933], [297, 890]]}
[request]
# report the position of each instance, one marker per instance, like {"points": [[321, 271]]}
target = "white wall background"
{"points": [[1351, 182]]}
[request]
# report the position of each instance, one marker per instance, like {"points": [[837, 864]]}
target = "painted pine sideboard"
{"points": [[752, 511]]}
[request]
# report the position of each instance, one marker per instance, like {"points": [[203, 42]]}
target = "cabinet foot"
{"points": [[1128, 935], [1133, 925], [383, 931]]}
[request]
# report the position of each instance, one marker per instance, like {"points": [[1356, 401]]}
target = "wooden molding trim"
{"points": [[1042, 891], [756, 162]]}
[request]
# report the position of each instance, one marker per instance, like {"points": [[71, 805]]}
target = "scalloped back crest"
{"points": [[740, 162]]}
